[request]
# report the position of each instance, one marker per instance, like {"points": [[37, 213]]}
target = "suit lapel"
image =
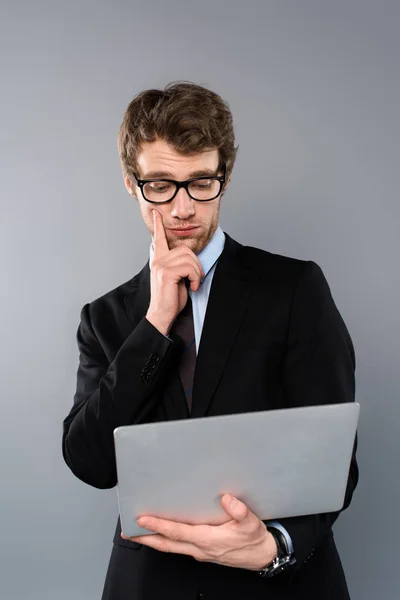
{"points": [[228, 302]]}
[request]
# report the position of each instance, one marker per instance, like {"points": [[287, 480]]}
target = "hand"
{"points": [[243, 541], [168, 271]]}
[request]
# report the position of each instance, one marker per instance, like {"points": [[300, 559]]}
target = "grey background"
{"points": [[314, 90]]}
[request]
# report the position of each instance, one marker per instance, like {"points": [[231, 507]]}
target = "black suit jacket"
{"points": [[272, 338]]}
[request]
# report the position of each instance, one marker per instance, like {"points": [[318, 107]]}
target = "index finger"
{"points": [[160, 241], [182, 532]]}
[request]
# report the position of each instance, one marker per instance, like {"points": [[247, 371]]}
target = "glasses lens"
{"points": [[158, 191], [204, 189]]}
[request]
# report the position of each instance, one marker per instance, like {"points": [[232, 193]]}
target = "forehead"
{"points": [[159, 159]]}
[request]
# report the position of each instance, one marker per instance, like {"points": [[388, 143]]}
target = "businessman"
{"points": [[209, 326]]}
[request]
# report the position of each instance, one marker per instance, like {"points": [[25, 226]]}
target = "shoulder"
{"points": [[282, 269], [111, 304], [299, 285]]}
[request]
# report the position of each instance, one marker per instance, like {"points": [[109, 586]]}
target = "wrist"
{"points": [[269, 551], [284, 557], [159, 323]]}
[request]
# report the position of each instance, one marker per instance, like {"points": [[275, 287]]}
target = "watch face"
{"points": [[278, 565]]}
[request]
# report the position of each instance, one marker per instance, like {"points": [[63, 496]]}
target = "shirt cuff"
{"points": [[289, 542]]}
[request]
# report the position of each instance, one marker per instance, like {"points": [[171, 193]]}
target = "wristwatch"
{"points": [[284, 558]]}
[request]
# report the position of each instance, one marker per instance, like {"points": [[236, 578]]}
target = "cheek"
{"points": [[210, 212], [204, 210], [147, 215]]}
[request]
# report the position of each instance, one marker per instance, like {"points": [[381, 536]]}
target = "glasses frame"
{"points": [[183, 184]]}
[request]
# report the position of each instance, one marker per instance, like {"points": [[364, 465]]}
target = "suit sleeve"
{"points": [[108, 395], [318, 369]]}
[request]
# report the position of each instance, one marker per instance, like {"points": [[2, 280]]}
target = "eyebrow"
{"points": [[169, 175]]}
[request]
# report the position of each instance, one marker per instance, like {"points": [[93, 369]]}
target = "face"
{"points": [[161, 158]]}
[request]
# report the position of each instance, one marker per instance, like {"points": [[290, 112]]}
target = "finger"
{"points": [[236, 508], [181, 270], [164, 544], [195, 277], [180, 532], [183, 253], [195, 282], [160, 241]]}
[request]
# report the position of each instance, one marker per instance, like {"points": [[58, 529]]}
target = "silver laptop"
{"points": [[280, 463]]}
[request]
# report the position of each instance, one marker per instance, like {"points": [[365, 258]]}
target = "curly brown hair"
{"points": [[190, 117]]}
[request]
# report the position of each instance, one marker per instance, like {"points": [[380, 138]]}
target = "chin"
{"points": [[194, 244], [189, 242]]}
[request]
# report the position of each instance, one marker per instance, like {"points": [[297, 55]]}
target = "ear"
{"points": [[225, 186], [129, 186]]}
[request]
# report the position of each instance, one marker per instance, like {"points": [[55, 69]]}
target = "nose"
{"points": [[183, 206]]}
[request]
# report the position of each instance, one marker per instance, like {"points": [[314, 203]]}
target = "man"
{"points": [[207, 327]]}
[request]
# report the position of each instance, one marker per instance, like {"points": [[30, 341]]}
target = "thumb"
{"points": [[234, 507]]}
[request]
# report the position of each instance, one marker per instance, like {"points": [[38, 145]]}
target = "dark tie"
{"points": [[183, 326]]}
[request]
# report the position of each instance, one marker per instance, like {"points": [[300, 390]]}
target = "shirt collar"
{"points": [[210, 253]]}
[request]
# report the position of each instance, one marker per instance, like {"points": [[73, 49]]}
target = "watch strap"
{"points": [[281, 542], [284, 557], [278, 525]]}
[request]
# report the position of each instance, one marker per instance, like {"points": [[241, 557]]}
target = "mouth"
{"points": [[182, 231]]}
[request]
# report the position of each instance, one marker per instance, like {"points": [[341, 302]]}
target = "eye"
{"points": [[160, 187], [203, 184]]}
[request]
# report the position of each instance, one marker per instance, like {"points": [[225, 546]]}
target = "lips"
{"points": [[183, 228], [183, 231]]}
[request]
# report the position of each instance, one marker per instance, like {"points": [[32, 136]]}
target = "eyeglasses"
{"points": [[202, 189]]}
